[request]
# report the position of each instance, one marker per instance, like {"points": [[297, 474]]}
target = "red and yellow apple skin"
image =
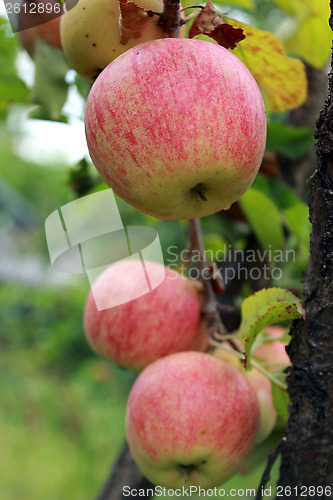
{"points": [[191, 420], [91, 35], [176, 127], [262, 388], [273, 353], [34, 26], [136, 333], [268, 414]]}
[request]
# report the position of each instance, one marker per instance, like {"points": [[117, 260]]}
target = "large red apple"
{"points": [[39, 19], [177, 127], [137, 332], [191, 420]]}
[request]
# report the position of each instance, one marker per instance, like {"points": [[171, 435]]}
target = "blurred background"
{"points": [[62, 408]]}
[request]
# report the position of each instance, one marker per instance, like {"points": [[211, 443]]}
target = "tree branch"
{"points": [[125, 473], [272, 457], [307, 456], [211, 309]]}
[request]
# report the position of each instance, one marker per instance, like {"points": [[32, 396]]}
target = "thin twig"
{"points": [[211, 310], [237, 352], [267, 472], [189, 17], [192, 7]]}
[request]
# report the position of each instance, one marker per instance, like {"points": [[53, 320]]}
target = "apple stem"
{"points": [[190, 16], [170, 19], [192, 7], [253, 363]]}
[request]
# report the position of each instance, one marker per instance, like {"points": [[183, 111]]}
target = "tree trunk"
{"points": [[307, 453]]}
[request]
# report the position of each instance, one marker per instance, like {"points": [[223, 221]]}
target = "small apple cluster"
{"points": [[192, 417], [177, 128]]}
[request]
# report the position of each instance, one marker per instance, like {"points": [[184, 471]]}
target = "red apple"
{"points": [[273, 353], [137, 332], [176, 127], [263, 390], [43, 23], [191, 420]]}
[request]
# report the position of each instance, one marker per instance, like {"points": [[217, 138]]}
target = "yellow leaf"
{"points": [[243, 4], [295, 8], [303, 8], [312, 41], [282, 78], [310, 36]]}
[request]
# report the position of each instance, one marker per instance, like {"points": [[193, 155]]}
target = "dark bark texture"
{"points": [[307, 454]]}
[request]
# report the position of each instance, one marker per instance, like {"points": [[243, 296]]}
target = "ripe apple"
{"points": [[263, 390], [176, 127], [91, 35], [33, 26], [191, 420], [135, 333], [273, 353]]}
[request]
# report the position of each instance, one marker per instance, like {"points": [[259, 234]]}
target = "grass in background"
{"points": [[62, 409]]}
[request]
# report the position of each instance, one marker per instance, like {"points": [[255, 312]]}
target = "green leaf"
{"points": [[243, 4], [281, 402], [266, 307], [297, 219], [215, 245], [295, 8], [290, 141], [309, 35], [264, 218], [83, 86], [295, 213], [12, 88], [50, 88]]}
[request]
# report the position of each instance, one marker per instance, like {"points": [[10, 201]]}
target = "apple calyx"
{"points": [[199, 191]]}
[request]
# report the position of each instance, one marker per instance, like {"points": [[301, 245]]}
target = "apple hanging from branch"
{"points": [[191, 419], [176, 127], [137, 332]]}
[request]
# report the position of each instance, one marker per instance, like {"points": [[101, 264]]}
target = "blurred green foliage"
{"points": [[62, 408]]}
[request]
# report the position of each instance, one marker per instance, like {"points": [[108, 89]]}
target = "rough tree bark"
{"points": [[307, 453]]}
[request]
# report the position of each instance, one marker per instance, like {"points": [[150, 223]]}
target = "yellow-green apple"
{"points": [[273, 353], [91, 33], [137, 332], [263, 390], [176, 127], [191, 419], [39, 20]]}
